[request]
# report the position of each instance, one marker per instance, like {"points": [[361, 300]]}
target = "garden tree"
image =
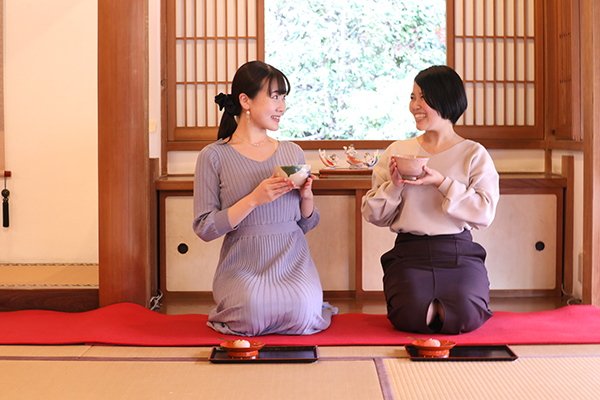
{"points": [[352, 63]]}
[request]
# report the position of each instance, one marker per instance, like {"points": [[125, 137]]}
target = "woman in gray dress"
{"points": [[266, 281]]}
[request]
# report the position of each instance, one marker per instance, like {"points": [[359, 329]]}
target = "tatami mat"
{"points": [[325, 352], [557, 350], [362, 351], [187, 380], [343, 372], [526, 378], [43, 351], [48, 275], [200, 353]]}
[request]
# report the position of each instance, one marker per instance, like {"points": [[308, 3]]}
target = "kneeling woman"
{"points": [[266, 281], [435, 278]]}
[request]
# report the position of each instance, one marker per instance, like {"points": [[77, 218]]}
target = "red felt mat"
{"points": [[131, 324]]}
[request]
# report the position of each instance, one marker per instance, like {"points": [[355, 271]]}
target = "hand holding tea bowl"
{"points": [[295, 173], [410, 167]]}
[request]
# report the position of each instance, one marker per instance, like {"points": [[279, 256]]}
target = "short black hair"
{"points": [[444, 91]]}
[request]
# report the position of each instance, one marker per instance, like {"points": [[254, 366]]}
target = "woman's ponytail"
{"points": [[228, 123]]}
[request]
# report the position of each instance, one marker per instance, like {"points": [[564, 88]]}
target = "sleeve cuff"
{"points": [[445, 186], [392, 191], [222, 224]]}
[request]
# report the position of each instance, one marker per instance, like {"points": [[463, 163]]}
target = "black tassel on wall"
{"points": [[5, 194]]}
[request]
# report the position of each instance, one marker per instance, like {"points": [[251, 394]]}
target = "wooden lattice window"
{"points": [[207, 40], [495, 45], [498, 50]]}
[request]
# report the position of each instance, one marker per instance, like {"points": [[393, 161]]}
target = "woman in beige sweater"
{"points": [[435, 278]]}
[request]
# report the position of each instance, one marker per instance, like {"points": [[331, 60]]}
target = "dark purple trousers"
{"points": [[449, 268]]}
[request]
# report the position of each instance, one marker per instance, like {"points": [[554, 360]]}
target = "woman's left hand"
{"points": [[306, 189], [432, 177]]}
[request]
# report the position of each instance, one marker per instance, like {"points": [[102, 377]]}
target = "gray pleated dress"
{"points": [[266, 281]]}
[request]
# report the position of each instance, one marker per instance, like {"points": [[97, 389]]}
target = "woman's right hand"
{"points": [[270, 189], [394, 174], [267, 191]]}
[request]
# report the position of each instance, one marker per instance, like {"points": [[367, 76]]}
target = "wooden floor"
{"points": [[194, 305]]}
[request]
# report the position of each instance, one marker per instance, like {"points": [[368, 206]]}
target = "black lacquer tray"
{"points": [[468, 353], [269, 354]]}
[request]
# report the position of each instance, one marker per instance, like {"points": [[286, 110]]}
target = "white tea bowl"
{"points": [[295, 173]]}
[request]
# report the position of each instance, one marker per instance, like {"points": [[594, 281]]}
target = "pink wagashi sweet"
{"points": [[431, 343]]}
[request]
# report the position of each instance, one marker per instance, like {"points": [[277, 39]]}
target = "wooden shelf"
{"points": [[362, 180], [344, 172]]}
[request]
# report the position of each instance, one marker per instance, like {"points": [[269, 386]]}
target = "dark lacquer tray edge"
{"points": [[314, 349], [511, 355]]}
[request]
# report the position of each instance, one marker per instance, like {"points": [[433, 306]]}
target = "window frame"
{"points": [[496, 137]]}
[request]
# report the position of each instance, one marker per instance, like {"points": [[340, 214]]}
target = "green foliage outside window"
{"points": [[352, 63]]}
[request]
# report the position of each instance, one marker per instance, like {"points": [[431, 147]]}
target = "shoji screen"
{"points": [[207, 40], [498, 50]]}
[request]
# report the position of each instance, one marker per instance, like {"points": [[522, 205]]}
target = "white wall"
{"points": [[51, 128], [50, 67]]}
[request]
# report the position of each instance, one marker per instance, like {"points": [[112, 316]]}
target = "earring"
{"points": [[248, 115]]}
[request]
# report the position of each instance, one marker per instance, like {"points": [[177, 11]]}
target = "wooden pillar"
{"points": [[590, 78], [123, 158]]}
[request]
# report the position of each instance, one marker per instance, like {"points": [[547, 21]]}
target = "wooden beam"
{"points": [[61, 299]]}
